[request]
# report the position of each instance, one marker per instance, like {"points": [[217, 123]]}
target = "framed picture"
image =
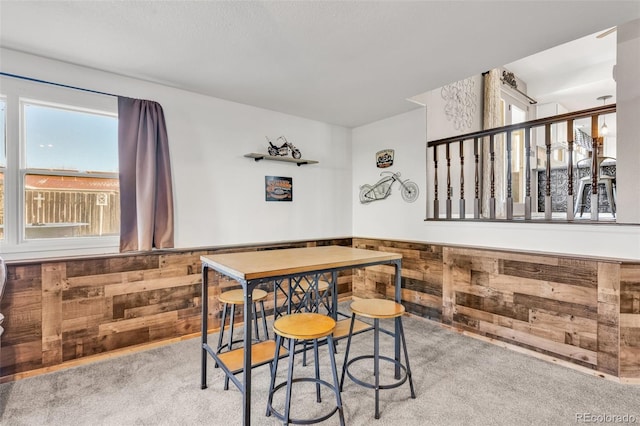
{"points": [[384, 158], [278, 188]]}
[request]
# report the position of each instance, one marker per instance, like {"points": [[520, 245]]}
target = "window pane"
{"points": [[63, 139], [63, 206]]}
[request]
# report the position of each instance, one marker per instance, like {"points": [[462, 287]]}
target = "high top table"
{"points": [[256, 267]]}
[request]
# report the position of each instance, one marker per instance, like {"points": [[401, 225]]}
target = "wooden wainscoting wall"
{"points": [[584, 311], [630, 321], [421, 276], [60, 311]]}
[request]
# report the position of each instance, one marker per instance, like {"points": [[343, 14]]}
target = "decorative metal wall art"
{"points": [[382, 189], [384, 158], [460, 103], [278, 188], [283, 150]]}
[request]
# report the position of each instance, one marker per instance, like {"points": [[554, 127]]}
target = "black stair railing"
{"points": [[479, 138]]}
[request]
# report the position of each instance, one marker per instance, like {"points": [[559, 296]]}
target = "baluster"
{"points": [[462, 206], [570, 214], [547, 191], [436, 203], [527, 165], [476, 200], [449, 188], [509, 179], [595, 168], [492, 177]]}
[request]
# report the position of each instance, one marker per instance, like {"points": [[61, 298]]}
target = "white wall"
{"points": [[395, 219], [407, 134], [392, 218], [628, 121], [441, 126], [219, 194]]}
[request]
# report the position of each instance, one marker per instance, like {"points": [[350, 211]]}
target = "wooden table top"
{"points": [[272, 263]]}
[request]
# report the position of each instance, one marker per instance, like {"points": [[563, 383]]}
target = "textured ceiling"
{"points": [[343, 62]]}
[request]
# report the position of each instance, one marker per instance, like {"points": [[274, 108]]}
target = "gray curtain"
{"points": [[146, 194]]}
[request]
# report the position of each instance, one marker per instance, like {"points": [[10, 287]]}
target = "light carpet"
{"points": [[458, 381]]}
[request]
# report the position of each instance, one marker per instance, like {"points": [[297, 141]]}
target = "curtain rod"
{"points": [[509, 79], [529, 98], [36, 80]]}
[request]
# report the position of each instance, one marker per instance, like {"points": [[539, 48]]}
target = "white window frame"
{"points": [[14, 246]]}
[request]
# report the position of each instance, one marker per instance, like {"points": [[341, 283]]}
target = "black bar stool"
{"points": [[313, 297], [378, 309], [230, 299], [304, 327]]}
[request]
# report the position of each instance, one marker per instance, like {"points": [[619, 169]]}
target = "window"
{"points": [[70, 181], [60, 165]]}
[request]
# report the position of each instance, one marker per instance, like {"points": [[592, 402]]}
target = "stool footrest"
{"points": [[395, 384], [222, 348], [342, 328], [280, 416], [261, 353]]}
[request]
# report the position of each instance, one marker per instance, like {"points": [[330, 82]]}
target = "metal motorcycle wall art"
{"points": [[382, 189], [283, 150]]}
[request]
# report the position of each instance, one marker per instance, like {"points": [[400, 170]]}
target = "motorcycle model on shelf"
{"points": [[283, 150], [382, 189]]}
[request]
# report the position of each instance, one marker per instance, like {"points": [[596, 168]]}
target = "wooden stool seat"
{"points": [[236, 297], [304, 326], [377, 308], [303, 287]]}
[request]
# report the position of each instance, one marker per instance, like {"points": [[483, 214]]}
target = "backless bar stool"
{"points": [[304, 327], [230, 299], [310, 298], [378, 309], [313, 297]]}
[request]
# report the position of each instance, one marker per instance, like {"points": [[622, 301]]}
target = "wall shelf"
{"points": [[299, 162]]}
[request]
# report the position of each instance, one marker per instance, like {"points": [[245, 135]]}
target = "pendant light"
{"points": [[604, 129]]}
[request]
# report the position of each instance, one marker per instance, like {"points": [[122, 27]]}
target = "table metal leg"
{"points": [[246, 394], [397, 327], [334, 295], [376, 364], [205, 312]]}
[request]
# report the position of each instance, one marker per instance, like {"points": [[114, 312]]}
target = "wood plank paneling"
{"points": [[585, 311], [609, 318], [584, 274], [575, 309], [630, 321], [69, 309], [52, 276]]}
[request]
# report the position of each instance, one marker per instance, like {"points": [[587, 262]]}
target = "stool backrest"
{"points": [[585, 163]]}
